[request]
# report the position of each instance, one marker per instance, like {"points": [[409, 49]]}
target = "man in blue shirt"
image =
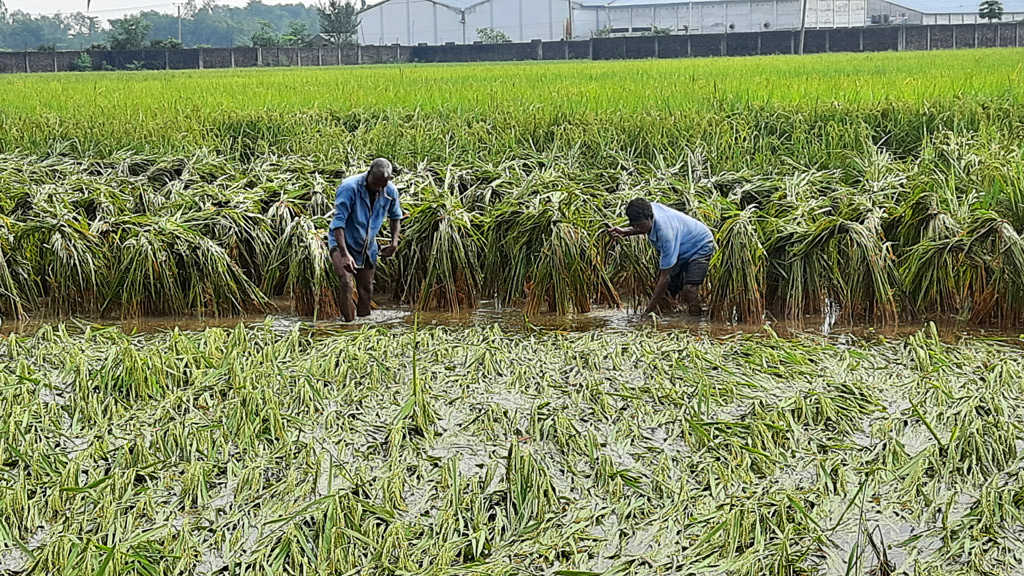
{"points": [[684, 245], [361, 204]]}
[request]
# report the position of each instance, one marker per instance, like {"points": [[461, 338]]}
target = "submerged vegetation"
{"points": [[473, 451]]}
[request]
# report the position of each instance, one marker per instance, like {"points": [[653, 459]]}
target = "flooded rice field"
{"points": [[491, 313], [489, 444]]}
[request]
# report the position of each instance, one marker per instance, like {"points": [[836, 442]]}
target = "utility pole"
{"points": [[803, 26], [572, 29], [179, 5]]}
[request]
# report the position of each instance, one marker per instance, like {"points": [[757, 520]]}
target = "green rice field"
{"points": [[887, 187], [177, 396]]}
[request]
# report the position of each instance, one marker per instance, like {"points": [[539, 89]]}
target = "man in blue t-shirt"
{"points": [[684, 245], [361, 204]]}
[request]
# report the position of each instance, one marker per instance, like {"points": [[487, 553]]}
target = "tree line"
{"points": [[201, 25]]}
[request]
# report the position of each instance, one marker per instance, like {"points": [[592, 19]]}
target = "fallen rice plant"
{"points": [[468, 451]]}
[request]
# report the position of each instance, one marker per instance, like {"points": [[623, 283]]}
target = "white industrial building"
{"points": [[940, 11], [709, 17], [411, 22]]}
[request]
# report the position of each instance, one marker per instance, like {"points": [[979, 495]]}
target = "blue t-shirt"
{"points": [[352, 211], [678, 237]]}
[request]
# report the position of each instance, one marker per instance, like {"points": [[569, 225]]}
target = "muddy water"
{"points": [[513, 320]]}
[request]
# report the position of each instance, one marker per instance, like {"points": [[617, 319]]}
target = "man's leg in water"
{"points": [[364, 287], [348, 309], [696, 274]]}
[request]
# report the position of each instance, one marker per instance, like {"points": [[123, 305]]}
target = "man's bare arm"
{"points": [[347, 263], [659, 291]]}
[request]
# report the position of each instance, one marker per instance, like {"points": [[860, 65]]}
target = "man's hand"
{"points": [[347, 263], [659, 292], [616, 232], [389, 250]]}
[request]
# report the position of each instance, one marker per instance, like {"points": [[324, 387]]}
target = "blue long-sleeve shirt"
{"points": [[362, 223]]}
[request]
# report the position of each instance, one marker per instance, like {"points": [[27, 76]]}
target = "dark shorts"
{"points": [[688, 273]]}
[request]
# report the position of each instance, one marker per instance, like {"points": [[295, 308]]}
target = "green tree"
{"points": [[204, 22], [339, 20], [991, 10], [297, 35], [22, 31], [265, 37], [83, 63], [492, 36], [129, 33]]}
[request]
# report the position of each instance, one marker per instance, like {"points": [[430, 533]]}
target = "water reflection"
{"points": [[512, 319]]}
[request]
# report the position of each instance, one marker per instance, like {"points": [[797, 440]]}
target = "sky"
{"points": [[107, 9]]}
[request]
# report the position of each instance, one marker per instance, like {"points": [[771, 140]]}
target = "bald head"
{"points": [[379, 174]]}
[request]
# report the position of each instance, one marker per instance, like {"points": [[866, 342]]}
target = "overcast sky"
{"points": [[107, 9]]}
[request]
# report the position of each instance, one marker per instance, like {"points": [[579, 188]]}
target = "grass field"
{"points": [[478, 451]]}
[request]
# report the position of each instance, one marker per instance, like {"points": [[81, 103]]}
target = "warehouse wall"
{"points": [[721, 17], [413, 22], [967, 18], [901, 15], [410, 22]]}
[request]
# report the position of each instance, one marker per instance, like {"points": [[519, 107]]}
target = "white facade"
{"points": [[412, 22], [709, 16], [941, 11]]}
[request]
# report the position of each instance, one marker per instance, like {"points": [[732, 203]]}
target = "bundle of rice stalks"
{"points": [[300, 265], [164, 265], [803, 271], [923, 219], [540, 250], [632, 269], [832, 263], [868, 279], [998, 296], [438, 266], [14, 275], [738, 269], [67, 256], [245, 235]]}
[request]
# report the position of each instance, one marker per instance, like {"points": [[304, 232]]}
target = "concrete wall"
{"points": [[871, 39]]}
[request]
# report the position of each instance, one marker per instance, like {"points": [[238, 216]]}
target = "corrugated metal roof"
{"points": [[456, 5], [601, 3]]}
